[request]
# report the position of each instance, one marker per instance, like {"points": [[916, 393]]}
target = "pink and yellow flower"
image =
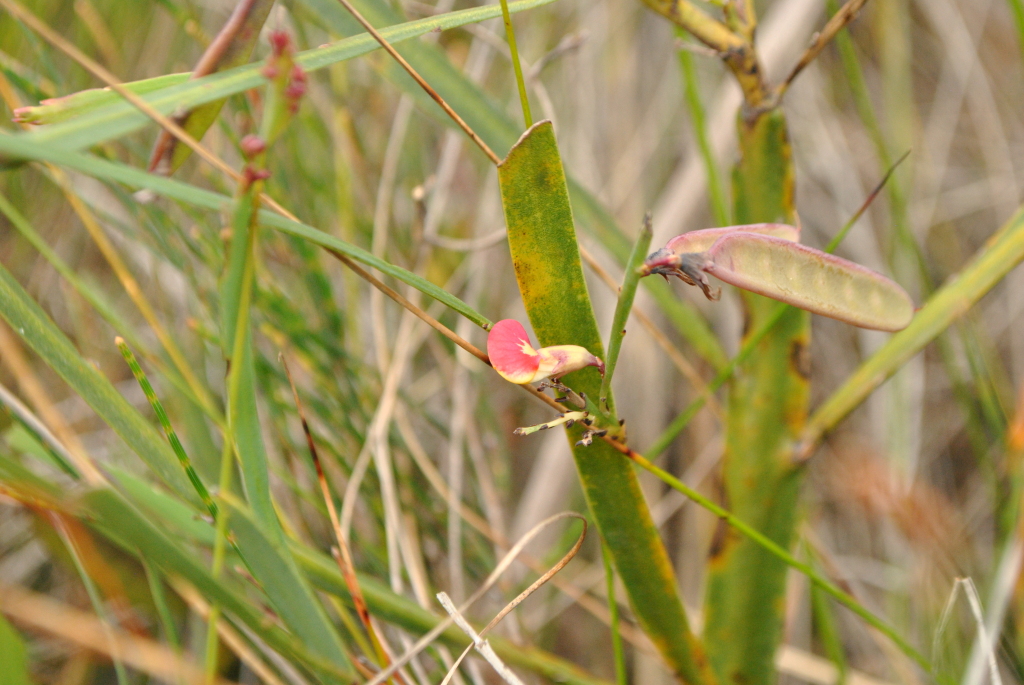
{"points": [[516, 360]]}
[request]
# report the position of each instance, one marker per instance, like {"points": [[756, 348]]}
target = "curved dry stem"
{"points": [[505, 562]]}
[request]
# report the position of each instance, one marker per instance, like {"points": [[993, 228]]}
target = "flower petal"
{"points": [[558, 360], [511, 354]]}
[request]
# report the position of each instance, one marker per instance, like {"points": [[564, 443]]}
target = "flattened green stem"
{"points": [[545, 255], [1002, 253], [511, 35], [161, 415], [627, 293], [770, 546]]}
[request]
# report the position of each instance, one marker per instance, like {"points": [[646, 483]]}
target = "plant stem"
{"points": [[165, 423], [621, 677], [791, 561], [510, 34], [719, 204], [627, 293]]}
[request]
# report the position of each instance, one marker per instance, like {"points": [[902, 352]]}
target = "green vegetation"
{"points": [[271, 186]]}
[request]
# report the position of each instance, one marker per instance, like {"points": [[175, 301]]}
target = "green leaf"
{"points": [[547, 264], [43, 336], [13, 656], [21, 148], [279, 577], [56, 110], [104, 123]]}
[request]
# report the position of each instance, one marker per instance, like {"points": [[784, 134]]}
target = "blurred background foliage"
{"points": [[917, 488]]}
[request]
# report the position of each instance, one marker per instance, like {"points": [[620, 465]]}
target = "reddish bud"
{"points": [[252, 145], [280, 42], [251, 175]]}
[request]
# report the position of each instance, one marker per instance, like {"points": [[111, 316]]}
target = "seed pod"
{"points": [[702, 240], [809, 279]]}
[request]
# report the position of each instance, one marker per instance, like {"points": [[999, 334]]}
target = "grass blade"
{"points": [[279, 577], [117, 119], [21, 148]]}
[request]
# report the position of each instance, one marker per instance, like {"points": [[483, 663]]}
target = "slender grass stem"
{"points": [[341, 554], [419, 79], [98, 605], [719, 203], [627, 293], [621, 677], [165, 423], [775, 549], [510, 34]]}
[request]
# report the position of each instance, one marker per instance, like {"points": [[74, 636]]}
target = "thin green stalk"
{"points": [[838, 237], [95, 599], [1017, 9], [673, 430], [246, 204], [766, 543], [627, 293], [621, 677], [510, 34], [719, 204], [219, 540], [165, 423], [163, 611]]}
